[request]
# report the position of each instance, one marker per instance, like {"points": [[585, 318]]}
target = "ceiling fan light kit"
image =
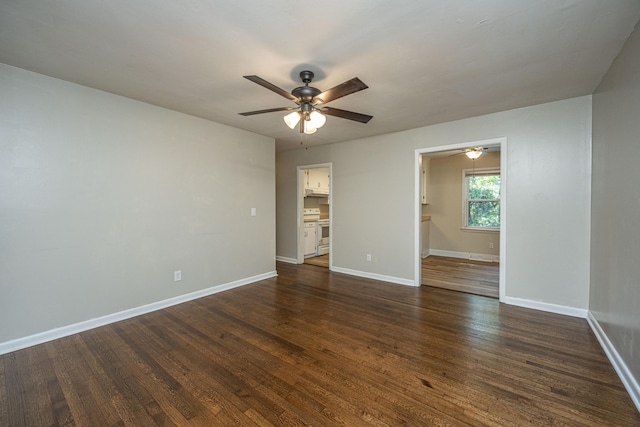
{"points": [[317, 119], [310, 100], [313, 122], [292, 119], [308, 129], [474, 153]]}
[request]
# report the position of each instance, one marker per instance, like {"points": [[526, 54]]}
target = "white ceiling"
{"points": [[425, 62]]}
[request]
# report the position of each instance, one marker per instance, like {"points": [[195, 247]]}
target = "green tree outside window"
{"points": [[483, 201]]}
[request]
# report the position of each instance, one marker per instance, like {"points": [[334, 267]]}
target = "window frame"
{"points": [[465, 197]]}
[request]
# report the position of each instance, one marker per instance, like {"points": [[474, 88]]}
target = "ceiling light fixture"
{"points": [[308, 127], [473, 153], [317, 119], [311, 123], [292, 119]]}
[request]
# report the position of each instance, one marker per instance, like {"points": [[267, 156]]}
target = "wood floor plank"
{"points": [[207, 389], [82, 391], [324, 341], [312, 347], [4, 399], [277, 376]]}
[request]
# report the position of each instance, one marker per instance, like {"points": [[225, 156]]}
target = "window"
{"points": [[481, 199]]}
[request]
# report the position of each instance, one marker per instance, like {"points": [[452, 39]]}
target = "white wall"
{"points": [[102, 198], [548, 168], [615, 225]]}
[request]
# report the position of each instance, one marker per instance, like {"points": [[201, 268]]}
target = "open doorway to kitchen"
{"points": [[315, 215], [460, 217]]}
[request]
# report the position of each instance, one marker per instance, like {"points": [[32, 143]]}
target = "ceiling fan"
{"points": [[311, 110], [476, 152]]}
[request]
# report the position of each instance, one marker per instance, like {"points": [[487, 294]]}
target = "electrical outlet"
{"points": [[491, 245], [368, 257], [254, 211], [177, 275]]}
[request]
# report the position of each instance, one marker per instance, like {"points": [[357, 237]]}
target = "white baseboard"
{"points": [[286, 259], [42, 337], [374, 276], [630, 383], [465, 255], [545, 306]]}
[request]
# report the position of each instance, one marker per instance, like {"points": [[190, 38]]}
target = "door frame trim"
{"points": [[502, 142], [300, 210]]}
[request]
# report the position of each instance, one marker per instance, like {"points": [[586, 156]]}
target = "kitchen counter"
{"points": [[314, 220]]}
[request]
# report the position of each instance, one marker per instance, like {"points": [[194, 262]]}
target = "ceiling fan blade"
{"points": [[343, 89], [344, 114], [262, 82], [270, 110]]}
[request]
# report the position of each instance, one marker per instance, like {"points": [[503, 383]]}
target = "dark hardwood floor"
{"points": [[312, 347], [462, 275]]}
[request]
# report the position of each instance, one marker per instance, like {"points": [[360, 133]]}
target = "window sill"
{"points": [[481, 229]]}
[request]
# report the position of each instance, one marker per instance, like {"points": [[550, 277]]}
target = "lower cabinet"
{"points": [[310, 239]]}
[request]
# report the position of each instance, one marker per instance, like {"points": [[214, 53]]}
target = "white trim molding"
{"points": [[465, 255], [375, 276], [630, 383], [545, 306], [286, 259], [64, 331]]}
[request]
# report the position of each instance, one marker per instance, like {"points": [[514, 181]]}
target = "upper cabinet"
{"points": [[316, 182], [318, 179], [424, 179]]}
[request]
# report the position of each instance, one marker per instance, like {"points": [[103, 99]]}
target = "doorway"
{"points": [[315, 215], [453, 266]]}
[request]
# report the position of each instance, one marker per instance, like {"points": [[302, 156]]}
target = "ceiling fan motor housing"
{"points": [[305, 93]]}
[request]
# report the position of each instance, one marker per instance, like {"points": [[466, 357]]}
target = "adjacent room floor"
{"points": [[462, 275], [320, 261]]}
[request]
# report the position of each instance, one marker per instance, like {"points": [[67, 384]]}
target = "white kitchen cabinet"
{"points": [[317, 179], [310, 239], [425, 162], [307, 181]]}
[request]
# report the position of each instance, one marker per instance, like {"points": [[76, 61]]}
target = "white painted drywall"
{"points": [[548, 164], [102, 198], [615, 215]]}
